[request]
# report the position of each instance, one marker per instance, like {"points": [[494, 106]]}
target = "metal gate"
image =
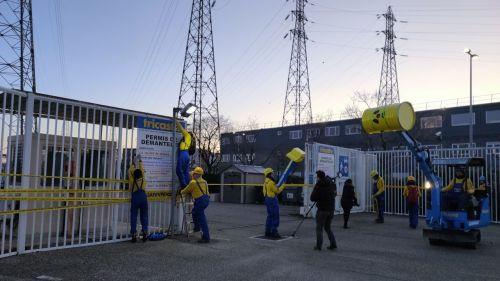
{"points": [[394, 166], [63, 170]]}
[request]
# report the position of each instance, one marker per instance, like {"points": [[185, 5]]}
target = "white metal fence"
{"points": [[394, 166], [62, 174]]}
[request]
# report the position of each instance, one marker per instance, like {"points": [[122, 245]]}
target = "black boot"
{"points": [[144, 237], [134, 238], [332, 247], [317, 248]]}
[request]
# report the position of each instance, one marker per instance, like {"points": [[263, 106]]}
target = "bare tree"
{"points": [[209, 143], [359, 102], [326, 116], [251, 124]]}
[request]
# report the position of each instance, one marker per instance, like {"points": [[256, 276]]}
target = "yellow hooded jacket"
{"points": [[196, 188], [140, 183], [270, 190], [186, 142], [380, 186]]}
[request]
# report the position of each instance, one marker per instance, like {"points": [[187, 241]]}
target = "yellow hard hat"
{"points": [[373, 173], [198, 170], [411, 178], [267, 171]]}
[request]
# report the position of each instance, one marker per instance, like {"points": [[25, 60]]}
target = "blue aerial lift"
{"points": [[448, 226]]}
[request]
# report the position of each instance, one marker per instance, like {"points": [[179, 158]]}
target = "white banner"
{"points": [[154, 144]]}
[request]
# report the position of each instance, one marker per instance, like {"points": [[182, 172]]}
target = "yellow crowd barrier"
{"points": [[66, 178]]}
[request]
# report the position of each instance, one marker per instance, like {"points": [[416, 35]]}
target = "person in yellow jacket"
{"points": [[412, 193], [182, 168], [271, 192], [457, 194], [139, 201], [378, 193], [198, 189]]}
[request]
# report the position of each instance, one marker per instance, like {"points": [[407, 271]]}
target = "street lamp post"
{"points": [[471, 114]]}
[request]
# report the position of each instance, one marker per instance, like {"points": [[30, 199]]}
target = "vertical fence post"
{"points": [[26, 170], [118, 174]]}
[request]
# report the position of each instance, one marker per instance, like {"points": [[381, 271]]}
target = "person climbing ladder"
{"points": [[198, 189], [187, 147]]}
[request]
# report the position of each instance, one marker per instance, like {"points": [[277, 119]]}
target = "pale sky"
{"points": [[130, 53]]}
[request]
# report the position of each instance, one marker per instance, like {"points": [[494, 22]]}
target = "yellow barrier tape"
{"points": [[61, 199], [402, 187], [66, 178], [59, 190], [36, 210], [152, 195], [259, 184], [59, 208], [82, 191]]}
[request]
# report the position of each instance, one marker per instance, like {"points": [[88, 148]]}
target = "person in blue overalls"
{"points": [[458, 192], [378, 194], [139, 201], [270, 192], [198, 189], [182, 168]]}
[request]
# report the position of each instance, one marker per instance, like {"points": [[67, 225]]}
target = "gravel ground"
{"points": [[367, 251]]}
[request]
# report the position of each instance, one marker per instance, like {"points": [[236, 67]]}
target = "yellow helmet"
{"points": [[198, 170], [267, 171], [373, 173], [411, 178]]}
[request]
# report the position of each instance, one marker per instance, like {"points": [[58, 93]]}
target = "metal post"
{"points": [[172, 182], [471, 115], [26, 170], [118, 175]]}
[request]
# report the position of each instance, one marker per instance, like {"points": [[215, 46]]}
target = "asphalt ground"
{"points": [[367, 251]]}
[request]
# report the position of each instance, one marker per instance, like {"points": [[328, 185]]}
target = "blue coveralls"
{"points": [[139, 202], [199, 218], [273, 215], [182, 168], [380, 202]]}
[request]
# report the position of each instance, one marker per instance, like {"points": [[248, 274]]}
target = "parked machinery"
{"points": [[444, 225]]}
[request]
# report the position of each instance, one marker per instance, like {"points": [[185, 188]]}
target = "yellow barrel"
{"points": [[391, 118]]}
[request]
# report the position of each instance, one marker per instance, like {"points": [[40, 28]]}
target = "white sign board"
{"points": [[326, 160], [154, 144]]}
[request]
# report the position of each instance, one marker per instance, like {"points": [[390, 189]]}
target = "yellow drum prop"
{"points": [[391, 118]]}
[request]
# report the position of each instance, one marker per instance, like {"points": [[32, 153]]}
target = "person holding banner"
{"points": [[186, 148], [139, 201], [198, 189], [271, 192]]}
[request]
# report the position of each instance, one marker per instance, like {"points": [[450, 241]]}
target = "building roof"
{"points": [[248, 169]]}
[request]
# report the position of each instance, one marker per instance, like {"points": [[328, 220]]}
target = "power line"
{"points": [[154, 46], [250, 46]]}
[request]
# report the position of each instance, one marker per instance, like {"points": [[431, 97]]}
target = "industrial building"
{"points": [[436, 129]]}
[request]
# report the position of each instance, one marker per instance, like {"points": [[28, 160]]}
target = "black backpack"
{"points": [[192, 147], [332, 184]]}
